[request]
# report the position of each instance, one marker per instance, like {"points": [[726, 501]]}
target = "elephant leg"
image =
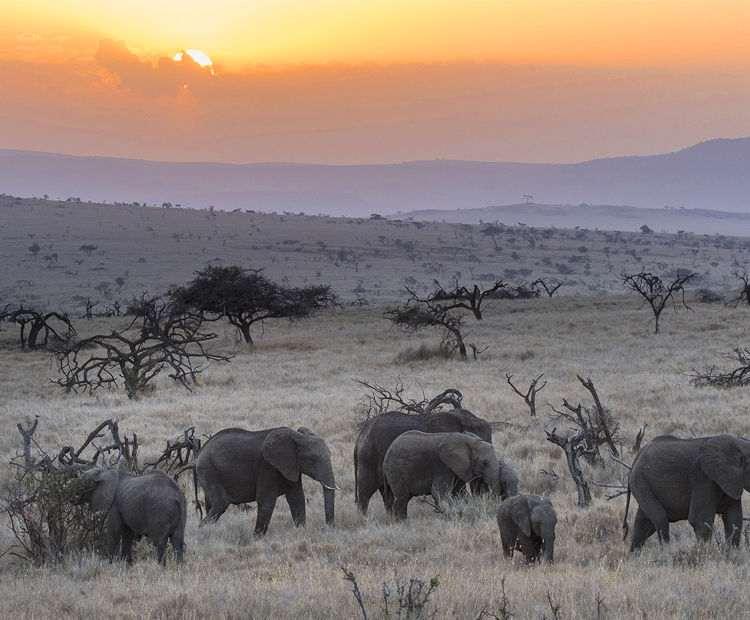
{"points": [[161, 550], [366, 488], [114, 532], [178, 544], [642, 529], [295, 497], [266, 505], [216, 506], [507, 547], [400, 503], [127, 544], [443, 486], [527, 546], [732, 518], [388, 498]]}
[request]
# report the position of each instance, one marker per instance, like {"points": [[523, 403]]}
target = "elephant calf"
{"points": [[420, 463], [527, 522], [150, 505]]}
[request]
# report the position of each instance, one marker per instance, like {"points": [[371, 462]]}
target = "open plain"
{"points": [[302, 374]]}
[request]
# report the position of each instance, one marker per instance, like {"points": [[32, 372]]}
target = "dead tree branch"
{"points": [[574, 446], [530, 396]]}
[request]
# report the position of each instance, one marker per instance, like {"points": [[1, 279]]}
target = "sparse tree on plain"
{"points": [[418, 314], [246, 296], [462, 297], [655, 292]]}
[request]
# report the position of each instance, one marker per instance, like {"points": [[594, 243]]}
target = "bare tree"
{"points": [[655, 292], [717, 377], [743, 297], [155, 340], [38, 322], [592, 427], [530, 396]]}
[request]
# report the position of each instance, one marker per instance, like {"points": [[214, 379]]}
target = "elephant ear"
{"points": [[521, 514], [455, 452], [280, 450], [106, 485], [723, 460]]}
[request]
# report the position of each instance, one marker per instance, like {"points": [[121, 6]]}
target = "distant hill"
{"points": [[711, 175], [601, 217]]}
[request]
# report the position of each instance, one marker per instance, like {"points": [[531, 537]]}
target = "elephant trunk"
{"points": [[549, 548], [329, 496]]}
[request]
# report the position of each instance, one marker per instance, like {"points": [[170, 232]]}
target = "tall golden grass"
{"points": [[301, 374]]}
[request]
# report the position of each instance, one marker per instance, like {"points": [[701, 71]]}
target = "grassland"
{"points": [[301, 374]]}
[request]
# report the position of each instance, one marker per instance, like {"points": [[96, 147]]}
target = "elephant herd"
{"points": [[407, 455]]}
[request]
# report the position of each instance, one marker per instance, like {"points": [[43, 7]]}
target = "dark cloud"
{"points": [[168, 76]]}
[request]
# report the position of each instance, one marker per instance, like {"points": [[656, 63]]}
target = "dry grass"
{"points": [[302, 375]]}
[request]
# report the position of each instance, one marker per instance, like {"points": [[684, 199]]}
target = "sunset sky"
{"points": [[375, 81]]}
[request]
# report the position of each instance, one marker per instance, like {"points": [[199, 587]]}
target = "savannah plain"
{"points": [[302, 374]]}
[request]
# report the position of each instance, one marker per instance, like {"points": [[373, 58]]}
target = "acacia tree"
{"points": [[246, 296], [462, 297], [156, 339], [417, 314], [655, 292]]}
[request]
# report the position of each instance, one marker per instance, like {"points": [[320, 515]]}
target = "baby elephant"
{"points": [[150, 505], [435, 464], [527, 522]]}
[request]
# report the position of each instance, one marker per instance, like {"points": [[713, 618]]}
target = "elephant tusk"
{"points": [[333, 488]]}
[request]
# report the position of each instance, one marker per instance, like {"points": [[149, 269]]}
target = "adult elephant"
{"points": [[379, 432], [418, 463], [150, 505], [695, 479], [527, 522], [236, 466]]}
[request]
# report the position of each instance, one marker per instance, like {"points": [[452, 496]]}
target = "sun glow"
{"points": [[199, 57]]}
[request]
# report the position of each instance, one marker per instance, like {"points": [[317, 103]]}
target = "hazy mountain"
{"points": [[710, 175]]}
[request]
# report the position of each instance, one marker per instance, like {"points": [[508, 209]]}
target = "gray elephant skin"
{"points": [[527, 523], [236, 466], [695, 479], [420, 463], [150, 505], [379, 432]]}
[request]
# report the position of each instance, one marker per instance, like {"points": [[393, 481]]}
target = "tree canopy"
{"points": [[246, 296]]}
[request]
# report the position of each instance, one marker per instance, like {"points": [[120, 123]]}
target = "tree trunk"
{"points": [[245, 329]]}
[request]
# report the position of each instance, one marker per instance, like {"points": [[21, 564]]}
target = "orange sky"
{"points": [[372, 81]]}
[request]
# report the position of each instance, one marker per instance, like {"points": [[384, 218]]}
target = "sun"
{"points": [[199, 57]]}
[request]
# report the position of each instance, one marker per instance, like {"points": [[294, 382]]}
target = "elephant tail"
{"points": [[625, 527], [356, 483], [198, 506]]}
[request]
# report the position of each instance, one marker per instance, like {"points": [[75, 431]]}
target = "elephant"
{"points": [[378, 433], [527, 522], [420, 463], [150, 505], [236, 466], [695, 479]]}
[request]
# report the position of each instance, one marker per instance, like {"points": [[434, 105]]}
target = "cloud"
{"points": [[28, 37], [167, 76]]}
